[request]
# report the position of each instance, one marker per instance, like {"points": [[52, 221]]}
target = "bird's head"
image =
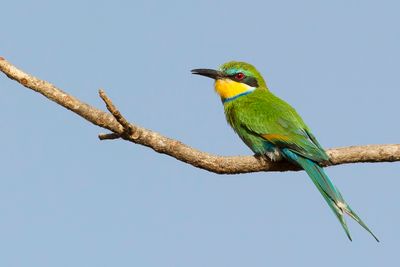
{"points": [[234, 79]]}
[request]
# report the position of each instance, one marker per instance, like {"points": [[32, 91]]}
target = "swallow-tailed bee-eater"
{"points": [[271, 127]]}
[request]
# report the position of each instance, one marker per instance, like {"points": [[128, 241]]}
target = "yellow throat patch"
{"points": [[227, 88]]}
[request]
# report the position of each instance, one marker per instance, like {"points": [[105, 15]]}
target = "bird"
{"points": [[272, 128]]}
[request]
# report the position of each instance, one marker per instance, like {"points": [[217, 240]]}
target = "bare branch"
{"points": [[109, 136], [128, 128], [121, 128]]}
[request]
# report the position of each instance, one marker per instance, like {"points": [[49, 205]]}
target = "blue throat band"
{"points": [[226, 100]]}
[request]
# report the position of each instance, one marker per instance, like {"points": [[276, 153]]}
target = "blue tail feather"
{"points": [[330, 193]]}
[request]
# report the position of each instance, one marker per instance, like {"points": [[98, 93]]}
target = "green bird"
{"points": [[271, 127]]}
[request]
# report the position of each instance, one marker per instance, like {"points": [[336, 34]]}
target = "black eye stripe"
{"points": [[251, 81]]}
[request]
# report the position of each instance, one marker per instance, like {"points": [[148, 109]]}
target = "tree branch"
{"points": [[121, 128]]}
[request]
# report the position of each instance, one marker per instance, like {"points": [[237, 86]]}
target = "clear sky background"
{"points": [[68, 199]]}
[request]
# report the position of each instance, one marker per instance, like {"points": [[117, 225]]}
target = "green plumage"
{"points": [[262, 113], [271, 127]]}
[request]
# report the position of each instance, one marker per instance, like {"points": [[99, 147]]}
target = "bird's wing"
{"points": [[285, 129], [299, 141]]}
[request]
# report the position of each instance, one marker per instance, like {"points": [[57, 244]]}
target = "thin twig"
{"points": [[115, 112], [109, 136]]}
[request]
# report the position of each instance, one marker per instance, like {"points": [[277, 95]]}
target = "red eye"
{"points": [[239, 76]]}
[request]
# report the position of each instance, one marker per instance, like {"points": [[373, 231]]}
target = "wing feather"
{"points": [[277, 122]]}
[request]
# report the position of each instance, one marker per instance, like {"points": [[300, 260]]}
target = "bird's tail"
{"points": [[330, 193]]}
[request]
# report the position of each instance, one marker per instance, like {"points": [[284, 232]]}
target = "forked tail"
{"points": [[330, 193]]}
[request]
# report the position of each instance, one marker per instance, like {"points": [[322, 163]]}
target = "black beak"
{"points": [[213, 74]]}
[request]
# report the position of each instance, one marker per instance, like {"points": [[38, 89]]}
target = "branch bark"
{"points": [[121, 128]]}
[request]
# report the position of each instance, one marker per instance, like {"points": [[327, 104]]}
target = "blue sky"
{"points": [[67, 199]]}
